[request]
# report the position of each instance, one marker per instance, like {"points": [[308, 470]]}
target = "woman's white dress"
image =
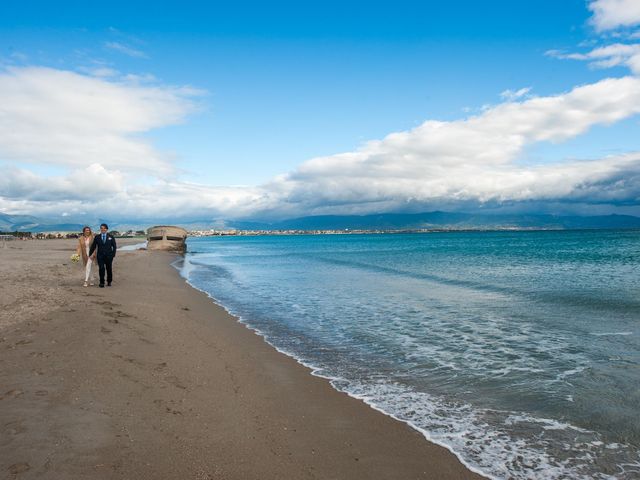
{"points": [[87, 268]]}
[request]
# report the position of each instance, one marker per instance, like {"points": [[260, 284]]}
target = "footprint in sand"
{"points": [[14, 428], [106, 303], [17, 468], [118, 314], [161, 366], [38, 354], [162, 403], [175, 381], [133, 361], [13, 393]]}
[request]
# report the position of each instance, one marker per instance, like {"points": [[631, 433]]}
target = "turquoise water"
{"points": [[520, 351]]}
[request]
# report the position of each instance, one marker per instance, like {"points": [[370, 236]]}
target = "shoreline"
{"points": [[314, 371], [153, 379]]}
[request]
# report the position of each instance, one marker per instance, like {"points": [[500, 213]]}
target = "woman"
{"points": [[84, 244]]}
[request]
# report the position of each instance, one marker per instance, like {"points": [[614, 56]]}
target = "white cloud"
{"points": [[617, 54], [511, 95], [500, 133], [107, 192], [468, 162], [21, 57], [473, 159], [103, 72], [125, 49], [88, 184], [63, 118], [612, 14], [613, 19]]}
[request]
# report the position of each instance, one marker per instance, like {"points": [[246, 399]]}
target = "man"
{"points": [[106, 246]]}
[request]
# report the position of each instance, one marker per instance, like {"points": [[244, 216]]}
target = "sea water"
{"points": [[518, 351]]}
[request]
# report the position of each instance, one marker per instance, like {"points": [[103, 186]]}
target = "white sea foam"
{"points": [[570, 372], [607, 334]]}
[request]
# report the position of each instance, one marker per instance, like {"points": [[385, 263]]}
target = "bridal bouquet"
{"points": [[75, 258]]}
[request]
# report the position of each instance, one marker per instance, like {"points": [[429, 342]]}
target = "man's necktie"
{"points": [[104, 239]]}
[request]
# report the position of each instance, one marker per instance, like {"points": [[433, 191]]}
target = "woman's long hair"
{"points": [[84, 229]]}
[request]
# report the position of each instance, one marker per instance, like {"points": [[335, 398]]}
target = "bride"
{"points": [[84, 244]]}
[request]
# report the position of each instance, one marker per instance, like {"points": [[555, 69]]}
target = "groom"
{"points": [[106, 246]]}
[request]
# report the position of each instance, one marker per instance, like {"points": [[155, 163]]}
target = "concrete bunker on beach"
{"points": [[167, 237]]}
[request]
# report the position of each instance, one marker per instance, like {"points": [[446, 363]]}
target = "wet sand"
{"points": [[149, 379]]}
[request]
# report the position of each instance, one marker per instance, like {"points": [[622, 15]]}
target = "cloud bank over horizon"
{"points": [[90, 129]]}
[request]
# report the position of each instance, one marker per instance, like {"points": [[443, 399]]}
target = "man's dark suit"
{"points": [[106, 254]]}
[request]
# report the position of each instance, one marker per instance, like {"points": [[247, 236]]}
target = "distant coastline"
{"points": [[256, 233], [383, 223]]}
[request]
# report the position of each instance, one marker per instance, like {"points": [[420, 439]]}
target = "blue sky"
{"points": [[272, 85]]}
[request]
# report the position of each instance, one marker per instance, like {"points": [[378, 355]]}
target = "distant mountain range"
{"points": [[385, 221], [28, 223], [454, 220]]}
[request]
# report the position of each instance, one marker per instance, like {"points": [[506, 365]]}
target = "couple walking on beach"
{"points": [[100, 248]]}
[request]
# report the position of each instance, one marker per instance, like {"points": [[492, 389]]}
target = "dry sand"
{"points": [[149, 379]]}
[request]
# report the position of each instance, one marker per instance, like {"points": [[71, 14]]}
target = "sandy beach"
{"points": [[149, 379]]}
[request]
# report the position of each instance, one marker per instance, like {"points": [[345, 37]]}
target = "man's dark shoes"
{"points": [[109, 284], [102, 285]]}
